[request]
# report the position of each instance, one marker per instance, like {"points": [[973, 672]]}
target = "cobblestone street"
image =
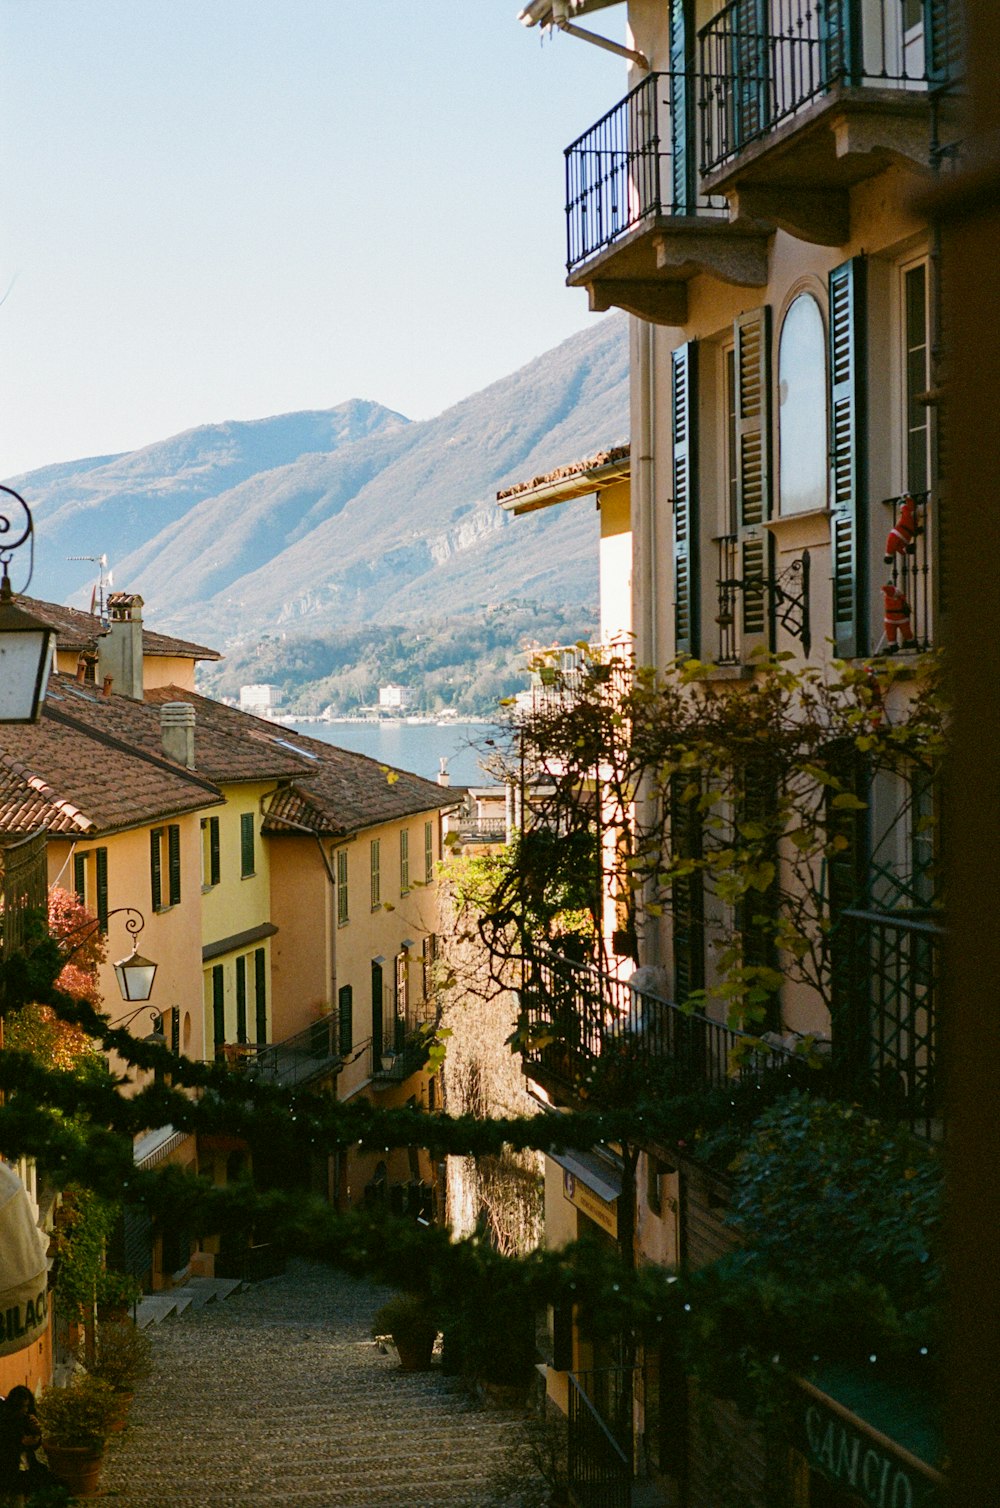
{"points": [[278, 1396]]}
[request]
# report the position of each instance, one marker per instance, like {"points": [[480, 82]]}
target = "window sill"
{"points": [[728, 673], [251, 874]]}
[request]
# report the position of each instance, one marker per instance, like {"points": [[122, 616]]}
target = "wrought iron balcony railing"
{"points": [[571, 669], [633, 166], [909, 569], [583, 1019], [761, 61], [308, 1055], [885, 1031]]}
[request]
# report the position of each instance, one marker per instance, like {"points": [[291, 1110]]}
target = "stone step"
{"points": [[203, 1291]]}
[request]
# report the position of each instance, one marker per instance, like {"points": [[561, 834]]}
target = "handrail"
{"points": [[301, 1057], [597, 1464]]}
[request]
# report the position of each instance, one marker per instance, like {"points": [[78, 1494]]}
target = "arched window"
{"points": [[802, 423]]}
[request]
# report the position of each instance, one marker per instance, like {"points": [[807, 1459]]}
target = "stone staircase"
{"points": [[195, 1293]]}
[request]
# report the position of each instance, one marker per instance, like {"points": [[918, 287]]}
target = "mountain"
{"points": [[308, 521]]}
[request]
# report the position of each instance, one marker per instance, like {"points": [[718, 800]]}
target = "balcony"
{"points": [[637, 230], [309, 1055], [802, 99], [561, 674], [595, 1032]]}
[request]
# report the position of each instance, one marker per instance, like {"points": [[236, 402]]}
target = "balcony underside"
{"points": [[647, 271], [798, 176]]}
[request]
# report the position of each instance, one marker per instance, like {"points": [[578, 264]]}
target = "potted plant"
{"points": [[123, 1358], [76, 1421], [410, 1322]]}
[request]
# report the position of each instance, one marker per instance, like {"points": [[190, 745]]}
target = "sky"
{"points": [[227, 209]]}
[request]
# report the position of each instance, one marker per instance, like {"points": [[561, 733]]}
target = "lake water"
{"points": [[417, 747]]}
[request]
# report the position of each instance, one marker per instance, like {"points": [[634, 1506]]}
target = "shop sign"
{"points": [[590, 1204], [865, 1464], [22, 1323]]}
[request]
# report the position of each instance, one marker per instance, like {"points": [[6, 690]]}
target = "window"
{"points": [[345, 1010], [246, 845], [80, 877], [241, 999], [376, 880], [802, 427], [428, 851], [404, 862], [101, 899], [210, 868], [917, 381], [402, 996], [428, 958], [160, 899], [378, 1007], [260, 992], [343, 911]]}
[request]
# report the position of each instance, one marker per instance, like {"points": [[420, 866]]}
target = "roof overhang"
{"points": [[582, 479]]}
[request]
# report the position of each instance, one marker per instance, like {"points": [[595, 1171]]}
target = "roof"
{"points": [[75, 778], [575, 479], [332, 792], [79, 630]]}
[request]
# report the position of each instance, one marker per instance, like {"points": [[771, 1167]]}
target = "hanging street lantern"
{"points": [[135, 974], [25, 641]]}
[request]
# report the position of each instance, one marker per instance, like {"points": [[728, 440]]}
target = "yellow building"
{"points": [[753, 203]]}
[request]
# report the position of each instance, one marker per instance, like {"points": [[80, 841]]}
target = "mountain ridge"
{"points": [[309, 520]]}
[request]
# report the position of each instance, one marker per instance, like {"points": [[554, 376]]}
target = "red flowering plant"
{"points": [[36, 1028]]}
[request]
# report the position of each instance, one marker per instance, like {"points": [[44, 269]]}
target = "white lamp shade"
{"points": [[135, 976], [25, 661]]}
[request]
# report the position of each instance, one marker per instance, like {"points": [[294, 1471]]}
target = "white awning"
{"points": [[23, 1268]]}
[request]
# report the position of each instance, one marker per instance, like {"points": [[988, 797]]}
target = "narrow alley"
{"points": [[278, 1396]]}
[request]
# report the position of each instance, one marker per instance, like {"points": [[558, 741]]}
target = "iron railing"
{"points": [[885, 1029], [23, 890], [482, 829], [729, 638], [631, 166], [761, 61], [599, 1462], [911, 571], [582, 1017], [308, 1055], [568, 670]]}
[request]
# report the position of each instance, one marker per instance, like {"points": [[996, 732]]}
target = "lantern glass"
{"points": [[135, 976], [25, 661]]}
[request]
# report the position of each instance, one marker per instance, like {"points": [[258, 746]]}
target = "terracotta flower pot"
{"points": [[123, 1402], [78, 1468], [415, 1352]]}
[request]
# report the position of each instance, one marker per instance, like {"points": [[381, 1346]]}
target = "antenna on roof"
{"points": [[97, 595]]}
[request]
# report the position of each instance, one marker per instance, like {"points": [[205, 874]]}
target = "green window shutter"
{"points": [[681, 111], [428, 851], [848, 459], [343, 911], [101, 876], [752, 334], [175, 1030], [241, 999], [687, 895], [246, 845], [375, 872], [174, 863], [684, 425], [260, 992], [80, 877], [404, 861], [749, 63], [345, 1007], [155, 868], [377, 1008], [218, 1007], [214, 866]]}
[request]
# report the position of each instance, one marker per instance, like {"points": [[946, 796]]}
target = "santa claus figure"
{"points": [[898, 628], [900, 540]]}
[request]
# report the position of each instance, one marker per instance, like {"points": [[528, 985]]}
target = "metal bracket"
{"points": [[788, 596]]}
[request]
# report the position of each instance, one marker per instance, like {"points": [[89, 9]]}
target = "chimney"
{"points": [[120, 649], [177, 732], [443, 778]]}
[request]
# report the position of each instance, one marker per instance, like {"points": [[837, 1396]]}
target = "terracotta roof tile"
{"points": [[79, 630], [333, 791]]}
